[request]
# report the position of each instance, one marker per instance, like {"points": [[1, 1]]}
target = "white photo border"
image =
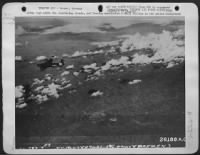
{"points": [[12, 10]]}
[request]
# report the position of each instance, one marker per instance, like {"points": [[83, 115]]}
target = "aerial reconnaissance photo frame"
{"points": [[100, 78]]}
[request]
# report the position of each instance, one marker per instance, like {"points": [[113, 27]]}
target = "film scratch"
{"points": [[100, 78]]}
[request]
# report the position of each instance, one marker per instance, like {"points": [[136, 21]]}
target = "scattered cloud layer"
{"points": [[74, 28], [88, 24]]}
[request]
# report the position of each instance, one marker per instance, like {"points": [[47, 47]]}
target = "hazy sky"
{"points": [[50, 25]]}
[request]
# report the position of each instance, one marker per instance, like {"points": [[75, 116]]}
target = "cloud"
{"points": [[106, 27], [164, 44], [35, 29], [47, 25], [30, 29], [19, 91], [74, 28], [134, 81], [39, 58], [105, 24], [20, 30], [18, 58]]}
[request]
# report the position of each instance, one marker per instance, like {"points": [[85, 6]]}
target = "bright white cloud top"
{"points": [[18, 58], [39, 58], [166, 45]]}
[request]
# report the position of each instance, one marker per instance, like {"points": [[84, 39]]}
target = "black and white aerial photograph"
{"points": [[99, 82]]}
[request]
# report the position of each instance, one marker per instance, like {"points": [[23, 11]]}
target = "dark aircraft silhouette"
{"points": [[50, 63]]}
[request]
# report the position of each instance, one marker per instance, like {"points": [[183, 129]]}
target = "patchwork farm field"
{"points": [[110, 90]]}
